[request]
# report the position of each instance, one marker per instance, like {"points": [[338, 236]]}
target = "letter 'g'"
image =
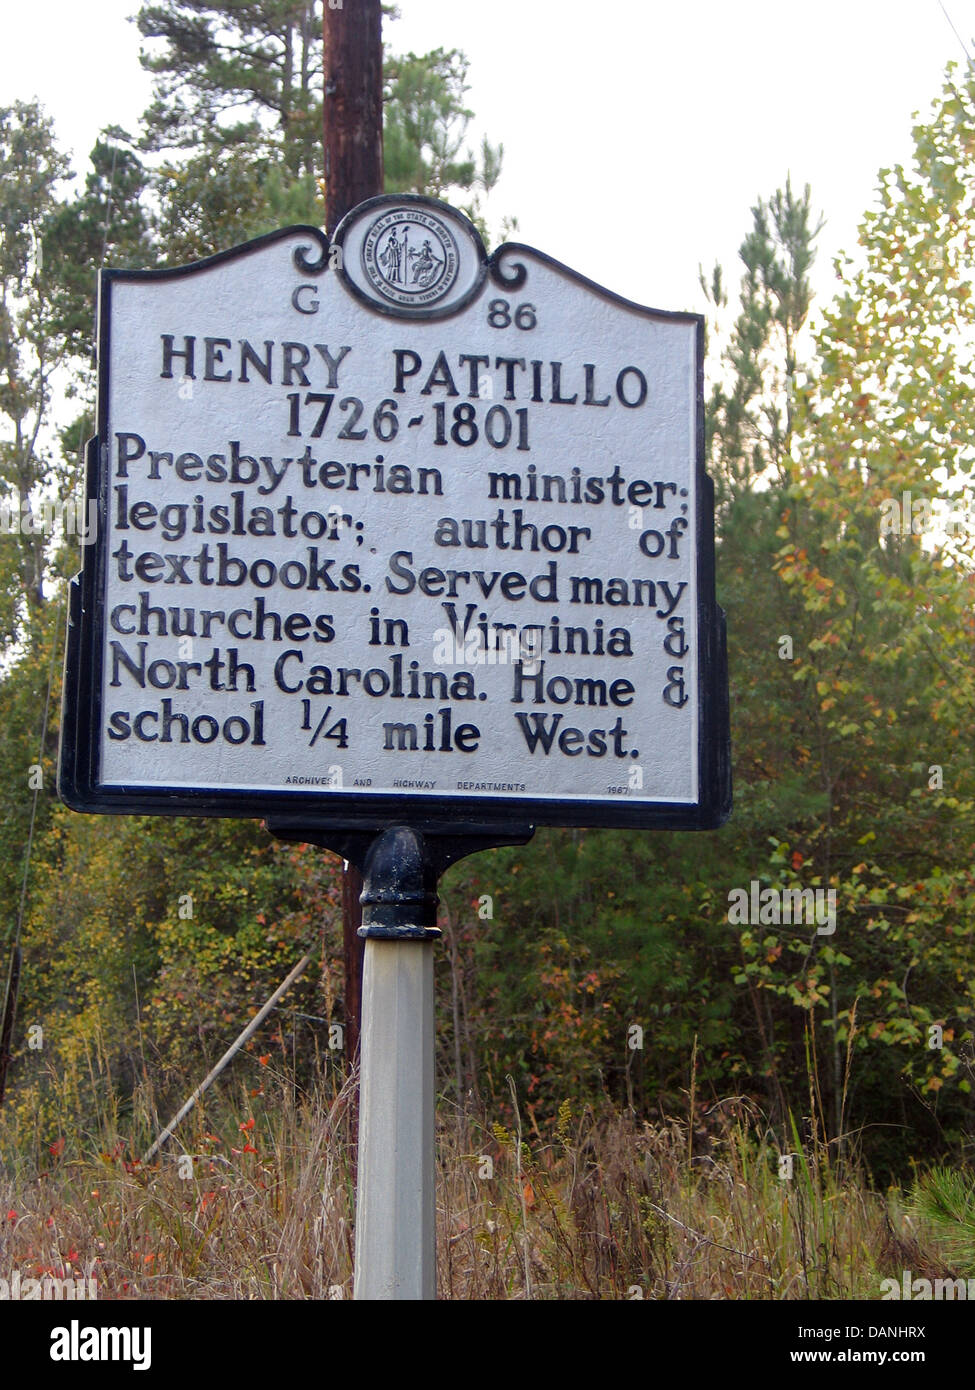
{"points": [[304, 308]]}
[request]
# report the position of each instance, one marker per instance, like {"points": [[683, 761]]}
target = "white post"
{"points": [[395, 1233]]}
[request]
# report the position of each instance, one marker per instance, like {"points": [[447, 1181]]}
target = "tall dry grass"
{"points": [[256, 1201]]}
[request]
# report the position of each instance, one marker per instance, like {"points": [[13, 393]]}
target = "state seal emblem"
{"points": [[410, 257]]}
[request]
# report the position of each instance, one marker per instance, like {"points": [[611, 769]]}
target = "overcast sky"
{"points": [[637, 134]]}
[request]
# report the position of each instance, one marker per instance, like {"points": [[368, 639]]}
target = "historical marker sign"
{"points": [[389, 528]]}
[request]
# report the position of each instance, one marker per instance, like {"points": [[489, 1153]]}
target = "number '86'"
{"points": [[499, 315]]}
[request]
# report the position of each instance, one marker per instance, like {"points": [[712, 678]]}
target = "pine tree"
{"points": [[237, 113], [33, 346], [235, 72], [751, 417]]}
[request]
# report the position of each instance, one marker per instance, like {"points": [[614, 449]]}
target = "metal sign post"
{"points": [[395, 1234], [395, 1217], [405, 549]]}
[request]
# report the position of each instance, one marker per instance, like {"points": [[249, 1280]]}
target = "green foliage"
{"points": [[425, 124], [158, 973], [33, 346], [944, 1199], [850, 667], [750, 416], [210, 201], [28, 746], [108, 223], [234, 73], [237, 110], [881, 670]]}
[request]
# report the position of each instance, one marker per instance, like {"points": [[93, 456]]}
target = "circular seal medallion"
{"points": [[410, 257]]}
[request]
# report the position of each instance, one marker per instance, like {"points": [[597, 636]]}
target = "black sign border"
{"points": [[78, 784]]}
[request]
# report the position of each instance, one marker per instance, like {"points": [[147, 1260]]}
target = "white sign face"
{"points": [[386, 522]]}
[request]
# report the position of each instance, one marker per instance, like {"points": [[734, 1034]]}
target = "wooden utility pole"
{"points": [[353, 140], [353, 106]]}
